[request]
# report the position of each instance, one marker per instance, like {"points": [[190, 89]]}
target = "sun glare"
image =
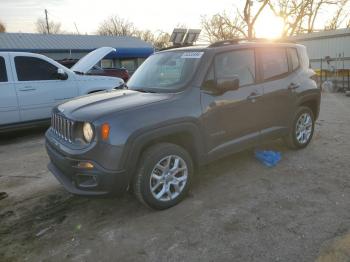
{"points": [[268, 26]]}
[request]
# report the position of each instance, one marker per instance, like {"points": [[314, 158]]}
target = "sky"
{"points": [[154, 15], [21, 15]]}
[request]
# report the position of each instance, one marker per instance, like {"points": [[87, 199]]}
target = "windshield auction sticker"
{"points": [[192, 55]]}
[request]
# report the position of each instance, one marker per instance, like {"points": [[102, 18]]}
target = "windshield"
{"points": [[165, 72]]}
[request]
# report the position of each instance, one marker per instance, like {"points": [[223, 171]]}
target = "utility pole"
{"points": [[47, 22], [76, 28]]}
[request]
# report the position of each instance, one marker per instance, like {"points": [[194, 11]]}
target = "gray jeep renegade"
{"points": [[183, 108]]}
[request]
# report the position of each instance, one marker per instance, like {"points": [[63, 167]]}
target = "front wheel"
{"points": [[302, 130], [163, 176]]}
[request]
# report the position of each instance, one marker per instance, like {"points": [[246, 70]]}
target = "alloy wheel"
{"points": [[168, 178]]}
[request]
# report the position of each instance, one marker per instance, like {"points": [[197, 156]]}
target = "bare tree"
{"points": [[117, 26], [158, 40], [54, 28], [146, 35], [2, 28], [250, 16], [222, 27], [292, 13], [241, 25], [339, 17], [161, 40], [299, 16]]}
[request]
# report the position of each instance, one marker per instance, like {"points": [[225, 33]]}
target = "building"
{"points": [[332, 45], [131, 51], [329, 53]]}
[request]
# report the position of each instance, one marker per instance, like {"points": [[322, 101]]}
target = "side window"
{"points": [[238, 63], [294, 59], [32, 69], [3, 73], [274, 63]]}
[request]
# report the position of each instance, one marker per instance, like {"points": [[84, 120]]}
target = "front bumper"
{"points": [[88, 182]]}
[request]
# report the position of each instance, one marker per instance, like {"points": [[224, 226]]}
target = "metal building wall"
{"points": [[334, 43]]}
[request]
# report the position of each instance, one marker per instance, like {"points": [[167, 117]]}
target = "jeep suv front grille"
{"points": [[62, 127]]}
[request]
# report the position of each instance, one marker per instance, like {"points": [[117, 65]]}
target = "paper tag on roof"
{"points": [[192, 55]]}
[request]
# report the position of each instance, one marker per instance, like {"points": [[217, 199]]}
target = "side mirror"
{"points": [[227, 84], [61, 74], [221, 85]]}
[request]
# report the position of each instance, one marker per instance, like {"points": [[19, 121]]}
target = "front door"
{"points": [[232, 120], [38, 87], [9, 112]]}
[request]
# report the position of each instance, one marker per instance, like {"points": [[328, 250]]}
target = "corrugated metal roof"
{"points": [[40, 42], [321, 35]]}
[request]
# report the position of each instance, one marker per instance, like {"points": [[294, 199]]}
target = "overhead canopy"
{"points": [[131, 53]]}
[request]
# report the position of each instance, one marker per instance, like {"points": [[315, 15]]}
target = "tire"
{"points": [[155, 168], [305, 118]]}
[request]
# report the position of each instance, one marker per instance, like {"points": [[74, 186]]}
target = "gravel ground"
{"points": [[238, 209]]}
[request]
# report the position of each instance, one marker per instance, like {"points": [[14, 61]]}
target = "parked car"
{"points": [[116, 72], [184, 108], [68, 62], [32, 84], [96, 70]]}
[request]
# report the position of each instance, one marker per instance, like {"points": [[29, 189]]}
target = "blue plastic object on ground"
{"points": [[268, 157]]}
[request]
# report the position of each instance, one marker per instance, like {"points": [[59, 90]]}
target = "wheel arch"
{"points": [[186, 135], [312, 101]]}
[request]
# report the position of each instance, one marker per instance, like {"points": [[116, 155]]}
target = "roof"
{"points": [[27, 42], [321, 35]]}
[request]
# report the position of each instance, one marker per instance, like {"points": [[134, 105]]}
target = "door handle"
{"points": [[27, 88], [253, 96], [293, 86]]}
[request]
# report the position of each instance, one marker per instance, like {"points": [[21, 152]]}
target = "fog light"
{"points": [[85, 165]]}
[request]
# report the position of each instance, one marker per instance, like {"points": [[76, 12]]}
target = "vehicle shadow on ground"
{"points": [[98, 208]]}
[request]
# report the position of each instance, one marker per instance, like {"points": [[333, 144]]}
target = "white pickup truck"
{"points": [[32, 84]]}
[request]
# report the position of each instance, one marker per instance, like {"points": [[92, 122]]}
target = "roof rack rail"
{"points": [[174, 47], [225, 42], [238, 40]]}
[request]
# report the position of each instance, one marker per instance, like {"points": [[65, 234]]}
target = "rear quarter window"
{"points": [[274, 63], [3, 73]]}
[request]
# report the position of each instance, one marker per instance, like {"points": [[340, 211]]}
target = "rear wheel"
{"points": [[302, 130], [163, 176]]}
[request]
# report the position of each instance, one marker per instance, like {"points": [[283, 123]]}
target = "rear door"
{"points": [[9, 111], [38, 88], [232, 120], [278, 102]]}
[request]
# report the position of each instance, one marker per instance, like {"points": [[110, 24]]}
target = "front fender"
{"points": [[140, 139]]}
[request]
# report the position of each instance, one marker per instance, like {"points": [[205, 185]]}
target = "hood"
{"points": [[105, 81], [94, 106], [91, 59]]}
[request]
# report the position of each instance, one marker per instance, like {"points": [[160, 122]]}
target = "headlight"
{"points": [[88, 132]]}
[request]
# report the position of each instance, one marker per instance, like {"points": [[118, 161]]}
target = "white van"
{"points": [[32, 84]]}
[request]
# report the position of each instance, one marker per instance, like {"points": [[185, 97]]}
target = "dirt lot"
{"points": [[238, 209]]}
